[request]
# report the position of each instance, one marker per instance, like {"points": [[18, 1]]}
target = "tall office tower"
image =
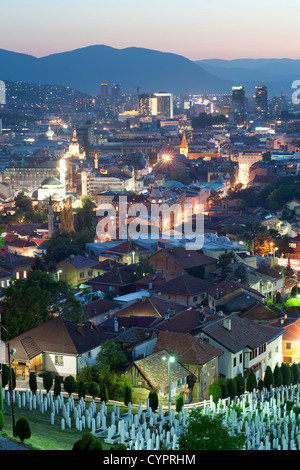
{"points": [[116, 91], [261, 102], [238, 102], [164, 104], [147, 105], [104, 91]]}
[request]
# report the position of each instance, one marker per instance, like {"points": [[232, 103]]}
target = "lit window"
{"points": [[17, 275], [25, 274], [59, 360]]}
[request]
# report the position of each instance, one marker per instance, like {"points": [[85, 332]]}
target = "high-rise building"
{"points": [[164, 104], [238, 102], [104, 91], [261, 102], [147, 105]]}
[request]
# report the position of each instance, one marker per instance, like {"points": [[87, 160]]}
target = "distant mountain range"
{"points": [[86, 68], [277, 74]]}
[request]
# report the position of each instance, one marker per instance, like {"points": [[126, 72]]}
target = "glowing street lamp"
{"points": [[170, 359]]}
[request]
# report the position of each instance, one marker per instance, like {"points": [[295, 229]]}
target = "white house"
{"points": [[245, 344], [58, 346]]}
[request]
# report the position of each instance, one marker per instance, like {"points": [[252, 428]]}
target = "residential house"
{"points": [[224, 291], [116, 282], [153, 280], [151, 374], [291, 343], [19, 266], [185, 289], [246, 345], [98, 310], [176, 260], [22, 247], [76, 269], [128, 252], [199, 357], [58, 346]]}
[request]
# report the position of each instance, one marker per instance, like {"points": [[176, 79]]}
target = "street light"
{"points": [[170, 359], [11, 352]]}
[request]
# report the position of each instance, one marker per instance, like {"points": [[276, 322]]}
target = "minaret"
{"points": [[184, 149], [96, 161], [50, 218]]}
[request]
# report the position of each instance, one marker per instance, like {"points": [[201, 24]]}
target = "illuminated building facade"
{"points": [[238, 102], [261, 102]]}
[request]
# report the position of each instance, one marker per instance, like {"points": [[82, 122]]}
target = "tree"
{"points": [[296, 373], [23, 202], [32, 382], [127, 395], [85, 215], [22, 428], [70, 384], [224, 262], [241, 275], [208, 433], [286, 374], [224, 388], [153, 400], [215, 390], [179, 402], [262, 244], [66, 216], [96, 445], [240, 385], [5, 375], [111, 358], [251, 382], [269, 378], [31, 302], [57, 386], [47, 381], [231, 385], [119, 446], [104, 393], [277, 376], [1, 420], [93, 389], [81, 389]]}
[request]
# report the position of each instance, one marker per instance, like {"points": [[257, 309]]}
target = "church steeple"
{"points": [[184, 149]]}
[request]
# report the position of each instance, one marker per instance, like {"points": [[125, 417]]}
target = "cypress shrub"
{"points": [[240, 385], [1, 420], [269, 378], [231, 384], [224, 388], [215, 390], [47, 381], [57, 386], [5, 375], [153, 400], [70, 384], [81, 389], [127, 395], [179, 402], [22, 428], [104, 393], [32, 382], [286, 374], [296, 373], [278, 379], [93, 389], [96, 445], [251, 382]]}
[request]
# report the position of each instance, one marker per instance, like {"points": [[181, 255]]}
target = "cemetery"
{"points": [[270, 419]]}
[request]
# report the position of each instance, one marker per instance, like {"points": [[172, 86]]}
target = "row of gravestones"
{"points": [[262, 417]]}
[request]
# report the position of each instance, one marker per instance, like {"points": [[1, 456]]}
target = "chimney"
{"points": [[116, 324], [80, 326], [227, 323], [167, 315], [150, 285]]}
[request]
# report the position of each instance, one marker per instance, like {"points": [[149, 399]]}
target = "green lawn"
{"points": [[44, 435]]}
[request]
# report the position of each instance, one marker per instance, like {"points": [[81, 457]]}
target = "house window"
{"points": [[90, 273], [24, 274], [241, 358], [111, 288], [195, 298], [81, 275], [17, 275], [234, 362], [59, 360], [288, 346]]}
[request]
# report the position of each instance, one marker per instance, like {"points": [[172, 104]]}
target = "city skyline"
{"points": [[195, 31]]}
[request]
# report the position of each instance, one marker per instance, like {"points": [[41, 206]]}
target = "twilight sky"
{"points": [[196, 29]]}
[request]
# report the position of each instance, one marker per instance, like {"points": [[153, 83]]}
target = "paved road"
{"points": [[6, 444]]}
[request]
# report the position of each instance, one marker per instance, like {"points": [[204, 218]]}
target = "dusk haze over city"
{"points": [[149, 228]]}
